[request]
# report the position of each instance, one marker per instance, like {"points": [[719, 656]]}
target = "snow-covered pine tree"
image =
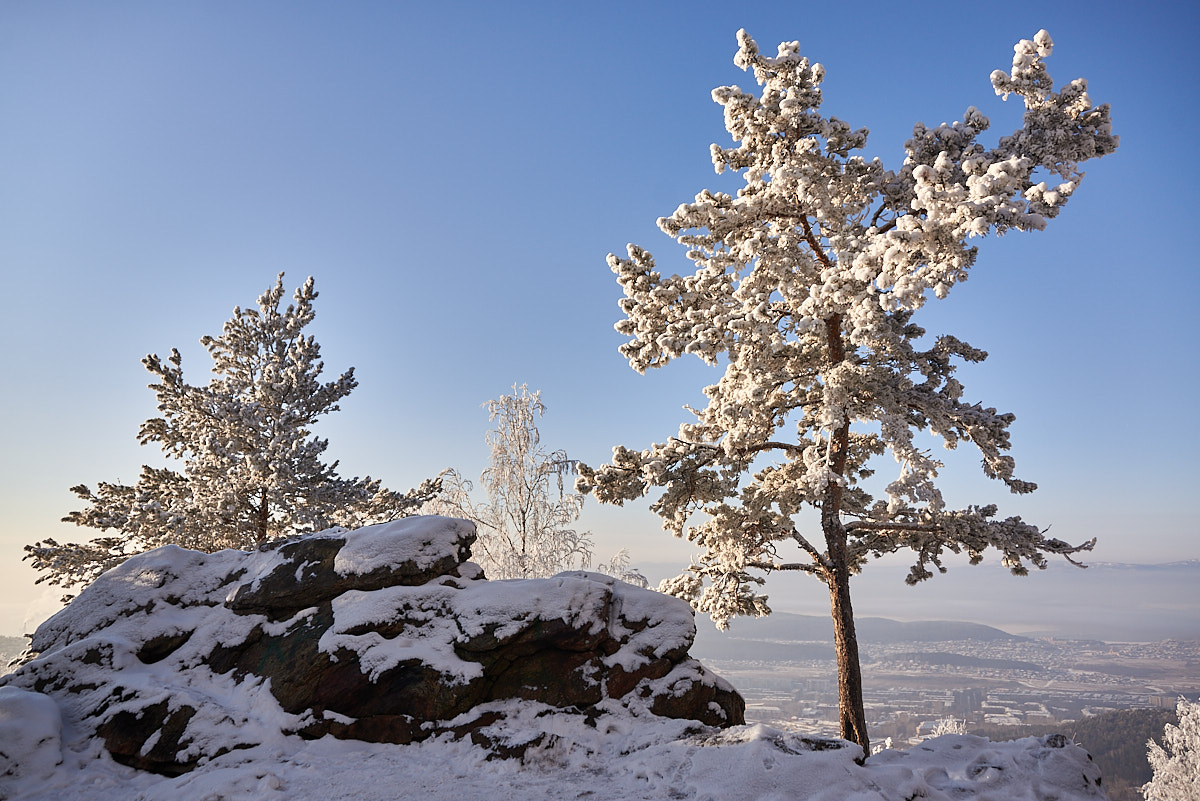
{"points": [[805, 288], [251, 468], [1176, 763], [524, 526]]}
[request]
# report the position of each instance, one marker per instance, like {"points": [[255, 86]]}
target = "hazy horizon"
{"points": [[1155, 601]]}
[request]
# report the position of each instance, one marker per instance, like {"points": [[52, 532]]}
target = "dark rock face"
{"points": [[384, 634]]}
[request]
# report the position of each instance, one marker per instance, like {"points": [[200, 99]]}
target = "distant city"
{"points": [[909, 687], [924, 678]]}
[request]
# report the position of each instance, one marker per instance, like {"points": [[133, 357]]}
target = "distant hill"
{"points": [[1108, 601], [787, 637], [788, 627], [713, 645], [1185, 564]]}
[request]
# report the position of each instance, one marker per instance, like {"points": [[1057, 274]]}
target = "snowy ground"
{"points": [[50, 749], [622, 758]]}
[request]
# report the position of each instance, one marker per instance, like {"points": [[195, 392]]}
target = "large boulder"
{"points": [[385, 634]]}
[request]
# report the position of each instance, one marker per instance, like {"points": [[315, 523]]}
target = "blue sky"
{"points": [[453, 175]]}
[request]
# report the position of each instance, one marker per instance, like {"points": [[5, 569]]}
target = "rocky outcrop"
{"points": [[384, 634]]}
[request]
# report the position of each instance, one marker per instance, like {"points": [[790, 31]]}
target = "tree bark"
{"points": [[850, 702]]}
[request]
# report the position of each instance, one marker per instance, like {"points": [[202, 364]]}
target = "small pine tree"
{"points": [[1176, 763], [252, 470]]}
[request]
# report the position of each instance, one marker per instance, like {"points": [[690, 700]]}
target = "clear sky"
{"points": [[453, 174]]}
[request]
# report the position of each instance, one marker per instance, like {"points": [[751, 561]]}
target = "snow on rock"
{"points": [[426, 542], [177, 659], [306, 570]]}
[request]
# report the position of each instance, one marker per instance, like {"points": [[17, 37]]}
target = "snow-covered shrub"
{"points": [[1176, 762]]}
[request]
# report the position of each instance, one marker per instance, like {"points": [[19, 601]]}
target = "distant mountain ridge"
{"points": [[785, 629], [1109, 601], [1184, 564]]}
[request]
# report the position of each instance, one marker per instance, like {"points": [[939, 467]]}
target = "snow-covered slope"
{"points": [[625, 758]]}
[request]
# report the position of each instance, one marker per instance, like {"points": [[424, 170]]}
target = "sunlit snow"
{"points": [[622, 758]]}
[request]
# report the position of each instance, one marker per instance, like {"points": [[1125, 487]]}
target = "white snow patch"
{"points": [[624, 757], [30, 736]]}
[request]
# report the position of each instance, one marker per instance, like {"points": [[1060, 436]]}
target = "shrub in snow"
{"points": [[949, 726], [619, 567]]}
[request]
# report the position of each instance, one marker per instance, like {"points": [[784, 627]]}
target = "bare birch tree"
{"points": [[524, 527]]}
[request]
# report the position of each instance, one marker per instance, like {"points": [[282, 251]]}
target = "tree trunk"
{"points": [[850, 701], [262, 516]]}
